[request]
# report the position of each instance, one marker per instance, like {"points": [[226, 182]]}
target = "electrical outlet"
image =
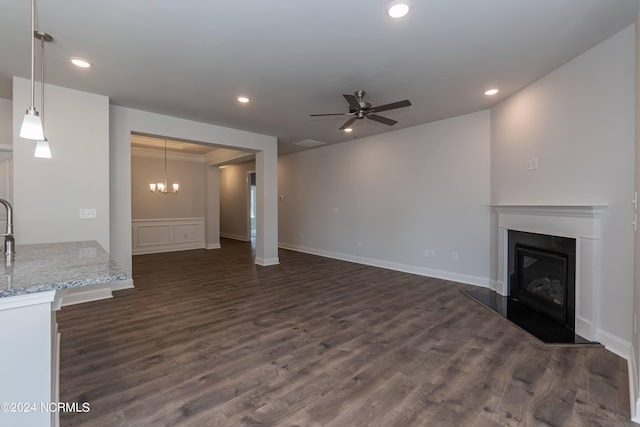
{"points": [[360, 244], [429, 253], [454, 256], [87, 213]]}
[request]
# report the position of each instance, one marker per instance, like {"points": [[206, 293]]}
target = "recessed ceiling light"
{"points": [[398, 9], [243, 99], [79, 62], [347, 130], [491, 92]]}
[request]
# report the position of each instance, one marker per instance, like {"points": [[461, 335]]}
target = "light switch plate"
{"points": [[87, 213]]}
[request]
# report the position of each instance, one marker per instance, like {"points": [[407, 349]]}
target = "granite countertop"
{"points": [[52, 266]]}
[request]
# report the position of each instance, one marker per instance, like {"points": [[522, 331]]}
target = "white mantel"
{"points": [[580, 222]]}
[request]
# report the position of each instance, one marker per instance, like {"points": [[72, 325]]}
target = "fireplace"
{"points": [[542, 270], [581, 223]]}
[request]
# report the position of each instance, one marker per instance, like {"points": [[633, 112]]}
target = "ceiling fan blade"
{"points": [[380, 119], [354, 104], [348, 123], [330, 114], [392, 106]]}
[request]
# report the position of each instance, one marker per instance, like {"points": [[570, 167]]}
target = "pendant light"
{"points": [[31, 124], [161, 187], [43, 151]]}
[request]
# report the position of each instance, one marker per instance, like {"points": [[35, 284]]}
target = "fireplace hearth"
{"points": [[542, 292]]}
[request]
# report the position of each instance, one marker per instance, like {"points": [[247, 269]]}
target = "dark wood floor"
{"points": [[209, 339]]}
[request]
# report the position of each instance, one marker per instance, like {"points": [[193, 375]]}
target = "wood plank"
{"points": [[209, 338]]}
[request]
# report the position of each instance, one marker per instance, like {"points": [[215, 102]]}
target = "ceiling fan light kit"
{"points": [[360, 109]]}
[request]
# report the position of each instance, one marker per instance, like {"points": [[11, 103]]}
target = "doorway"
{"points": [[251, 179]]}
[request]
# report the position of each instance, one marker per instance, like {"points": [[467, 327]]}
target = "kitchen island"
{"points": [[32, 287]]}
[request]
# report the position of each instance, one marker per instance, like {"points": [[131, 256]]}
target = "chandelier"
{"points": [[162, 187]]}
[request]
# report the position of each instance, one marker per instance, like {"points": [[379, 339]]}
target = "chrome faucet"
{"points": [[9, 242]]}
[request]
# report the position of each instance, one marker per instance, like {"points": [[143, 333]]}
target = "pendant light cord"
{"points": [[33, 54], [42, 84], [165, 165]]}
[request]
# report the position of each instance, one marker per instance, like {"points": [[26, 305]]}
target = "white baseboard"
{"points": [[94, 292], [422, 271], [87, 294], [265, 262], [121, 284], [633, 387], [166, 248], [212, 246], [235, 237], [614, 344]]}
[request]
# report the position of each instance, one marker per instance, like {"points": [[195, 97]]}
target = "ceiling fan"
{"points": [[360, 109]]}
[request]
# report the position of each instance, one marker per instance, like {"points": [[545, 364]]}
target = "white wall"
{"points": [[123, 121], [147, 166], [578, 121], [6, 156], [6, 121], [635, 359], [383, 200], [234, 200], [48, 193]]}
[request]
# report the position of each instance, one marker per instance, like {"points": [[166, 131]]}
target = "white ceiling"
{"points": [[192, 58]]}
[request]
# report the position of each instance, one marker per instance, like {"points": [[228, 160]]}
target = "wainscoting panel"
{"points": [[167, 235]]}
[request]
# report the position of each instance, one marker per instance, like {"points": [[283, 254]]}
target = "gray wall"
{"points": [[6, 123], [384, 200], [124, 121], [148, 166], [578, 121], [48, 193]]}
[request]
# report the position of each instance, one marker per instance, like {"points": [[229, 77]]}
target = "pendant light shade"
{"points": [[43, 151], [31, 124]]}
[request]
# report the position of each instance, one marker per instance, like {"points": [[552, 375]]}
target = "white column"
{"points": [[267, 207]]}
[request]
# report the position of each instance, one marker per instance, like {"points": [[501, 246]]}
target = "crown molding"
{"points": [[150, 153]]}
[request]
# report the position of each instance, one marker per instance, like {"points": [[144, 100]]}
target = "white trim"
{"points": [[94, 293], [235, 237], [632, 370], [265, 262], [157, 235], [6, 147], [26, 300], [212, 246], [614, 344], [421, 271], [151, 153], [122, 284], [87, 294]]}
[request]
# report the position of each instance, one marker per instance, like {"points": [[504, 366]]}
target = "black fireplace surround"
{"points": [[542, 271]]}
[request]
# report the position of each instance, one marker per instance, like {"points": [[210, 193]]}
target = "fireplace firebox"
{"points": [[542, 274]]}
